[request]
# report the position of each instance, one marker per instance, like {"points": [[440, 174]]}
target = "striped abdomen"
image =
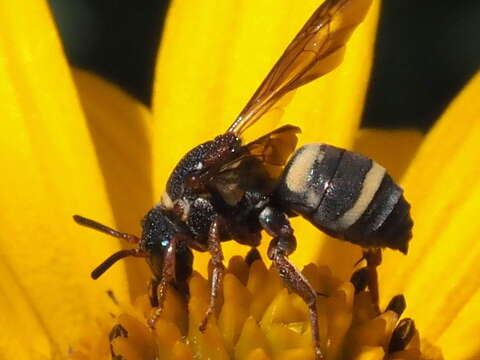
{"points": [[346, 195]]}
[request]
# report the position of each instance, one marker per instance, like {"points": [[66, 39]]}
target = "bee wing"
{"points": [[316, 50], [258, 165], [274, 148]]}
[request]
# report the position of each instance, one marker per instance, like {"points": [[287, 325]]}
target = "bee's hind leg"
{"points": [[373, 258], [283, 244]]}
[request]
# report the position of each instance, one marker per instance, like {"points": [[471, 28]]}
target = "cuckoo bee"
{"points": [[225, 189]]}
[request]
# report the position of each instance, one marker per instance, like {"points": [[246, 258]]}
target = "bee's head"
{"points": [[159, 229]]}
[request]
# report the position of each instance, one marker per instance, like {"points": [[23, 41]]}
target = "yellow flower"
{"points": [[73, 144]]}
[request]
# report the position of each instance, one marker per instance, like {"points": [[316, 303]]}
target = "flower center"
{"points": [[260, 319]]}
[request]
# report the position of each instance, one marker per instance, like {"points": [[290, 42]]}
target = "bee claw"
{"points": [[203, 325], [153, 318]]}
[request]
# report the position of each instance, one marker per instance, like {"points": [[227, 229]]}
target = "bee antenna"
{"points": [[105, 229], [112, 259]]}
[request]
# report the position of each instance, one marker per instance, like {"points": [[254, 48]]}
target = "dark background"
{"points": [[426, 51]]}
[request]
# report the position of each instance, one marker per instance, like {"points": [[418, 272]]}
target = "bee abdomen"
{"points": [[385, 222], [347, 195]]}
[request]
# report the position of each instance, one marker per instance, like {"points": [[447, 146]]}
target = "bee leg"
{"points": [[168, 275], [373, 257], [297, 283], [283, 244], [182, 288], [401, 336], [215, 250], [252, 256], [153, 292]]}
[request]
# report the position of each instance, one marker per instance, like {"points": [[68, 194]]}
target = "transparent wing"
{"points": [[316, 50], [258, 165], [274, 148]]}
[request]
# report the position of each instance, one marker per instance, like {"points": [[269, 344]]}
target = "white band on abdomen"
{"points": [[370, 185]]}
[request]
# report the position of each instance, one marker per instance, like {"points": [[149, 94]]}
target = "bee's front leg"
{"points": [[153, 292], [161, 287]]}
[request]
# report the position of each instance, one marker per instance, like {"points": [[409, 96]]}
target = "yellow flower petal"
{"points": [[49, 172], [120, 128], [440, 275], [459, 337], [209, 66], [329, 110], [393, 149]]}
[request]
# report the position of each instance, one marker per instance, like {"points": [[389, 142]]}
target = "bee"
{"points": [[224, 189]]}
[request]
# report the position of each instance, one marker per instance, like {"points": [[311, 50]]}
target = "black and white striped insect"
{"points": [[225, 190], [346, 195]]}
